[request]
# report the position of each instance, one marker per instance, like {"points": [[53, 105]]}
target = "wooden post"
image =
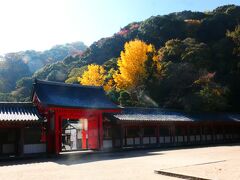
{"points": [[21, 142], [224, 133], [57, 143], [121, 136], [201, 134], [188, 137], [125, 135], [84, 139], [51, 132], [213, 133], [157, 133], [114, 129], [100, 131], [173, 133]]}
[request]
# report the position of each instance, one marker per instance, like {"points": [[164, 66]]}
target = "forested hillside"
{"points": [[185, 60], [17, 65]]}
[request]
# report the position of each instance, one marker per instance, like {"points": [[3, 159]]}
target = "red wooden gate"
{"points": [[93, 133]]}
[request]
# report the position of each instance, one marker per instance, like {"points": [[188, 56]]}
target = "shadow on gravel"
{"points": [[80, 158], [70, 159], [88, 157]]}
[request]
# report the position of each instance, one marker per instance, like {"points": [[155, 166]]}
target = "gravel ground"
{"points": [[221, 162]]}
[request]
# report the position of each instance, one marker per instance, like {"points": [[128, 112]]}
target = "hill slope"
{"points": [[14, 66], [201, 39]]}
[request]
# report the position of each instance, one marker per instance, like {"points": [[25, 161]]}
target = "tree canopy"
{"points": [[131, 64], [93, 76]]}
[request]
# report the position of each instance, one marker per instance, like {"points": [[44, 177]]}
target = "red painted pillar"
{"points": [[57, 135], [100, 121], [94, 132], [50, 132], [84, 140], [49, 142]]}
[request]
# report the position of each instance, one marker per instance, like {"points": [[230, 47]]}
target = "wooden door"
{"points": [[93, 133]]}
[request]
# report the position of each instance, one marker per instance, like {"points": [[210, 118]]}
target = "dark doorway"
{"points": [[8, 142]]}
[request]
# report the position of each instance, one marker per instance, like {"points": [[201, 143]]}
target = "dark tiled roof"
{"points": [[18, 112], [72, 95], [156, 114]]}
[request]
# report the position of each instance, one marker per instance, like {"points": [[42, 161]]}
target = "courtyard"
{"points": [[219, 162]]}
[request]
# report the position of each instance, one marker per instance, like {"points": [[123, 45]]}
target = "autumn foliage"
{"points": [[131, 72], [93, 76], [193, 68], [131, 63]]}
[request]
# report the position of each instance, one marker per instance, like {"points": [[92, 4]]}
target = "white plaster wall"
{"points": [[129, 141], [153, 140], [161, 140], [146, 140], [176, 139], [180, 139], [107, 144], [34, 148], [137, 141], [167, 139]]}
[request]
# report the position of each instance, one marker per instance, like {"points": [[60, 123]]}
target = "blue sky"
{"points": [[40, 24]]}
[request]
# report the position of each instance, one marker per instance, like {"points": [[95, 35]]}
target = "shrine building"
{"points": [[69, 117]]}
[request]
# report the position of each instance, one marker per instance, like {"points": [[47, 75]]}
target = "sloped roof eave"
{"points": [[166, 115], [81, 107], [19, 112], [71, 96]]}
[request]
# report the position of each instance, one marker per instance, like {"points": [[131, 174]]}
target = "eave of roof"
{"points": [[72, 95], [165, 115], [18, 112], [81, 107]]}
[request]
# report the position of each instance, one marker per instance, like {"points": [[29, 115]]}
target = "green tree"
{"points": [[74, 74], [235, 36], [125, 98]]}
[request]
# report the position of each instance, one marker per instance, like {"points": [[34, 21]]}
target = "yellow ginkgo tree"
{"points": [[131, 64], [93, 76], [136, 64], [96, 75]]}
